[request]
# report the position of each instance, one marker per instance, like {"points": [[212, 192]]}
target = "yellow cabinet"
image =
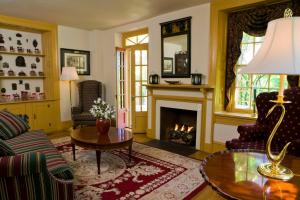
{"points": [[42, 115], [14, 108]]}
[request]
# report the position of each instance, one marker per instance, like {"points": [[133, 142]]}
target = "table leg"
{"points": [[130, 151], [98, 155], [73, 149]]}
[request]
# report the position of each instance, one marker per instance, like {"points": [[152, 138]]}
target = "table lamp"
{"points": [[69, 74], [279, 54]]}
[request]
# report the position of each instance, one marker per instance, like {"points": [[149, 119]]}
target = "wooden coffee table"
{"points": [[233, 174], [89, 138]]}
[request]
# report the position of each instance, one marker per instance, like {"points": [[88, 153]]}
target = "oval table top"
{"points": [[234, 175], [90, 137]]}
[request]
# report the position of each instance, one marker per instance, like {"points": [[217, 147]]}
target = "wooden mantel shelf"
{"points": [[179, 87]]}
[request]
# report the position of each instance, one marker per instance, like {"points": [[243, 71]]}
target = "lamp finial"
{"points": [[288, 13]]}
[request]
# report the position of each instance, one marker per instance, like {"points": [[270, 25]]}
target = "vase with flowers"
{"points": [[103, 112]]}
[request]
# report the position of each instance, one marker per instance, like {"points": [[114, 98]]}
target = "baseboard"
{"points": [[150, 134], [218, 146], [66, 125], [208, 148]]}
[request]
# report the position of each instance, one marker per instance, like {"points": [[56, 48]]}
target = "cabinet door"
{"points": [[44, 116], [14, 108]]}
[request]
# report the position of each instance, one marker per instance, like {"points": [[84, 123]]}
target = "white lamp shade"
{"points": [[280, 51], [69, 74]]}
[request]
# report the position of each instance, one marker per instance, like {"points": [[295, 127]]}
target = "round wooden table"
{"points": [[234, 175], [90, 138]]}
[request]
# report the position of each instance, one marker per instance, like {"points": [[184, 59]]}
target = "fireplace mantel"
{"points": [[179, 87]]}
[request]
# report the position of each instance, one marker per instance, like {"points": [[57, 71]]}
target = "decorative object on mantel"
{"points": [[1, 57], [153, 79], [33, 66], [1, 72], [103, 112], [27, 86], [3, 90], [176, 63], [20, 49], [196, 79], [14, 86], [37, 59], [172, 82], [279, 54], [11, 49], [18, 35], [37, 89]]}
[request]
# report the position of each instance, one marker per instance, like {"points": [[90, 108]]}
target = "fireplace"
{"points": [[178, 125]]}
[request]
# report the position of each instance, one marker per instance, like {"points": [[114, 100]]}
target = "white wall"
{"points": [[73, 38], [102, 46], [200, 44]]}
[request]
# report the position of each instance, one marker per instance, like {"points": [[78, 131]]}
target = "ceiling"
{"points": [[92, 14]]}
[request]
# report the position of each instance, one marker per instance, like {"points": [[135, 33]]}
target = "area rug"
{"points": [[151, 174]]}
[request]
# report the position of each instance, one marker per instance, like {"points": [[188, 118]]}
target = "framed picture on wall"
{"points": [[76, 58], [168, 66]]}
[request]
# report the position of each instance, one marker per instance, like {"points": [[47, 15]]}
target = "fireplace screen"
{"points": [[178, 126]]}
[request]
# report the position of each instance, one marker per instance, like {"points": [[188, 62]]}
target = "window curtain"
{"points": [[254, 22]]}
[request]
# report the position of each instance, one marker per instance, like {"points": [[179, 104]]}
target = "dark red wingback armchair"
{"points": [[255, 136]]}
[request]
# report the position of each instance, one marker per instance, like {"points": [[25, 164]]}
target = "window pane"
{"points": [[247, 54], [242, 80], [260, 81], [257, 47], [144, 104], [144, 73], [137, 89], [145, 40], [137, 73], [142, 38], [128, 42], [274, 81], [137, 57], [242, 98], [247, 38], [144, 57], [138, 104]]}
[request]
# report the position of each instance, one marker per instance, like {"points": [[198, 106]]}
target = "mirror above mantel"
{"points": [[176, 48]]}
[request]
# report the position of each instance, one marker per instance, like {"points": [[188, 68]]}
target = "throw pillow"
{"points": [[11, 125], [5, 149]]}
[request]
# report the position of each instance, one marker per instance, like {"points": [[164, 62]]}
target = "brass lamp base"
{"points": [[276, 172]]}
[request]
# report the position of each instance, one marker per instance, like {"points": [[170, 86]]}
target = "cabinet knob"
{"points": [[48, 105], [50, 124]]}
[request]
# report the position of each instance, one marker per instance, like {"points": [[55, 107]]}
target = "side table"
{"points": [[233, 174]]}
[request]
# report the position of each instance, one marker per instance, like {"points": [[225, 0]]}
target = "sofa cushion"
{"points": [[5, 149], [11, 125], [37, 141]]}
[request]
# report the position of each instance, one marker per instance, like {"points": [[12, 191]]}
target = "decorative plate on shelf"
{"points": [[172, 82]]}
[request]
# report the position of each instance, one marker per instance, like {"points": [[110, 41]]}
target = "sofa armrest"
{"points": [[22, 165], [76, 110], [252, 132]]}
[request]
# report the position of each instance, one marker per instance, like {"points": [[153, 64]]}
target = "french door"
{"points": [[139, 96]]}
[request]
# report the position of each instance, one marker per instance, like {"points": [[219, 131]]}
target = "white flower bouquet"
{"points": [[102, 110]]}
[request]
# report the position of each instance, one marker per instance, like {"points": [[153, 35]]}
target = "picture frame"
{"points": [[79, 59], [167, 66]]}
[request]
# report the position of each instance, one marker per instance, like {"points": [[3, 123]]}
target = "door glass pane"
{"points": [[144, 104], [144, 90], [137, 89], [137, 57], [144, 73], [138, 73], [138, 104], [144, 57]]}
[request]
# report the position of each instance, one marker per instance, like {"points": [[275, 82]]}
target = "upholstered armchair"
{"points": [[255, 136], [88, 92]]}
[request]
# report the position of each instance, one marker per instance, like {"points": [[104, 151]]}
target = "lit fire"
{"points": [[184, 128]]}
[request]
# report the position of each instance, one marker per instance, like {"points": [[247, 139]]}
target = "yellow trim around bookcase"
{"points": [[50, 67]]}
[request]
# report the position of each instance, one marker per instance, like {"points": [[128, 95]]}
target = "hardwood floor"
{"points": [[206, 194]]}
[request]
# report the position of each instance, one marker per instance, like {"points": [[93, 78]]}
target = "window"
{"points": [[246, 85], [139, 39]]}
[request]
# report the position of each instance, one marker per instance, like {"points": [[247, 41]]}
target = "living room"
{"points": [[184, 94]]}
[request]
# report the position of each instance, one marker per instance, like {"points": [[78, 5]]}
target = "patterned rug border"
{"points": [[66, 140]]}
